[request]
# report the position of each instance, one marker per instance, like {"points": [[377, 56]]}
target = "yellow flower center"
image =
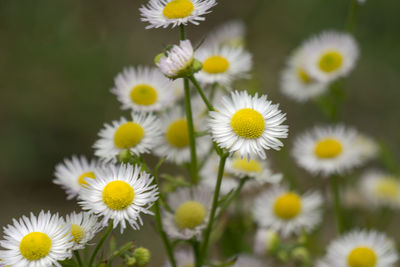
{"points": [[118, 195], [190, 214], [388, 188], [177, 9], [362, 257], [35, 246], [81, 179], [287, 206], [248, 123], [143, 94], [304, 77], [77, 232], [247, 165], [330, 61], [215, 64], [177, 133], [328, 148], [128, 135]]}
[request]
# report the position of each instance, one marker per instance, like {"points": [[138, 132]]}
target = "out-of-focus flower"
{"points": [[84, 227], [362, 249], [231, 33], [163, 13], [247, 124], [143, 89], [287, 212], [327, 150], [72, 173], [119, 193], [138, 135], [190, 209], [223, 65]]}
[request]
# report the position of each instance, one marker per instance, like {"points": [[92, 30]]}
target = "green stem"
{"points": [[192, 138], [203, 96], [78, 258], [196, 252], [233, 197], [336, 201], [101, 242], [352, 16], [207, 233], [158, 218], [182, 32]]}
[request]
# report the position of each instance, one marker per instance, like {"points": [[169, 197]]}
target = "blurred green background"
{"points": [[58, 60]]}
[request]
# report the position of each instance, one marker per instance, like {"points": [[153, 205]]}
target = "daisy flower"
{"points": [[209, 175], [327, 150], [256, 168], [368, 147], [190, 209], [330, 55], [119, 193], [362, 249], [231, 33], [71, 174], [265, 241], [174, 142], [163, 13], [380, 189], [222, 65], [36, 241], [176, 61], [247, 124], [183, 257], [143, 89], [137, 135], [287, 212], [84, 227], [296, 83]]}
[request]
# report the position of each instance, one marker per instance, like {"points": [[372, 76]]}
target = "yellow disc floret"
{"points": [[35, 245], [248, 123], [128, 135], [247, 165], [330, 61], [362, 257], [77, 232], [143, 94], [303, 76], [388, 188], [328, 148], [118, 195], [178, 9], [81, 179], [215, 65], [177, 133], [287, 206], [190, 214]]}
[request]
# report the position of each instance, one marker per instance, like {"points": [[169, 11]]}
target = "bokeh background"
{"points": [[58, 60]]}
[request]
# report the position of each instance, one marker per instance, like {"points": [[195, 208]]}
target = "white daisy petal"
{"points": [[36, 241], [247, 124], [119, 193], [84, 227], [164, 13], [231, 33]]}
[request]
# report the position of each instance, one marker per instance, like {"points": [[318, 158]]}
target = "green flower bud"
{"points": [[300, 254], [142, 256]]}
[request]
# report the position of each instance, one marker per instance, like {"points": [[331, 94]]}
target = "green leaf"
{"points": [[68, 263]]}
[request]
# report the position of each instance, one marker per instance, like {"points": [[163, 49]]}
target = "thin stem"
{"points": [[182, 32], [158, 218], [352, 16], [336, 201], [207, 233], [192, 138], [233, 197], [101, 242], [78, 258], [203, 96], [196, 252]]}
